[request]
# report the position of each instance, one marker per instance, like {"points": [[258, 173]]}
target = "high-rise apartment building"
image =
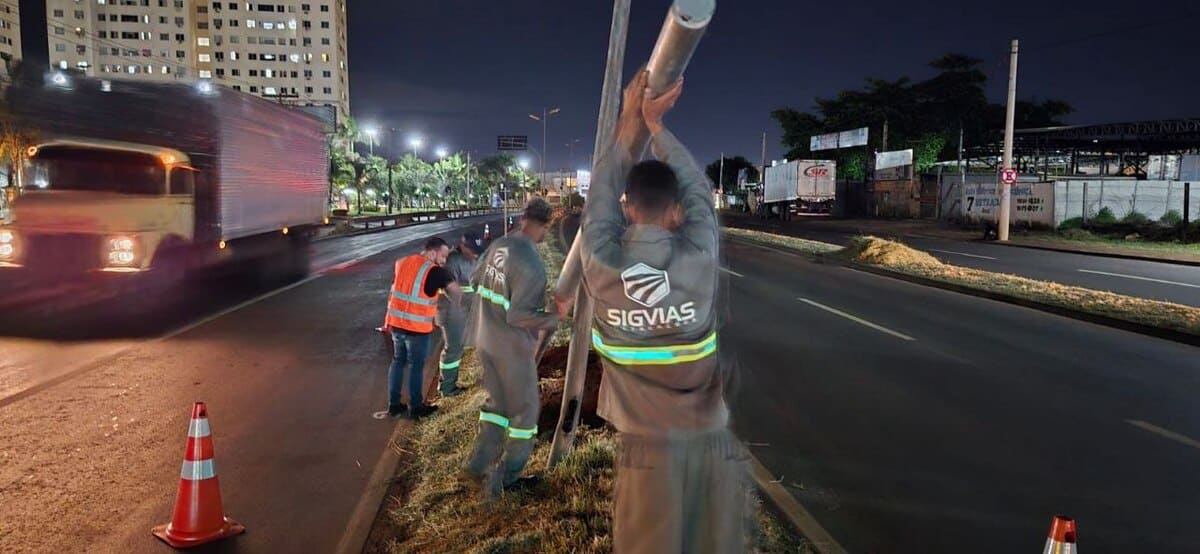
{"points": [[10, 35], [287, 50]]}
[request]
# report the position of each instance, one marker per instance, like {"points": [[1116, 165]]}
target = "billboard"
{"points": [[512, 142], [895, 158], [583, 180], [828, 141], [853, 137]]}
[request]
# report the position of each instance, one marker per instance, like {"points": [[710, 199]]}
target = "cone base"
{"points": [[180, 540]]}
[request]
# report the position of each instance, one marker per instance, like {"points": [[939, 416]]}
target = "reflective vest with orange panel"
{"points": [[409, 308]]}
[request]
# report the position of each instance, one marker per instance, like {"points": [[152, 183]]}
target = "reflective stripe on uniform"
{"points": [[450, 365], [468, 288], [198, 428], [493, 297], [413, 299], [410, 317], [419, 283], [523, 434], [656, 355], [496, 419], [197, 471]]}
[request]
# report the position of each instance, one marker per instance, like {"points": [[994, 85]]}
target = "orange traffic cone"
{"points": [[1062, 536], [487, 232], [198, 516]]}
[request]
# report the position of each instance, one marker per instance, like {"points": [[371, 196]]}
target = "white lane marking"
{"points": [[1166, 433], [732, 272], [1140, 278], [855, 319], [961, 254]]}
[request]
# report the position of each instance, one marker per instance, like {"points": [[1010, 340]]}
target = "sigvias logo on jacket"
{"points": [[645, 285]]}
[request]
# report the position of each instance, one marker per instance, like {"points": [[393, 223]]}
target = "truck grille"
{"points": [[61, 254]]}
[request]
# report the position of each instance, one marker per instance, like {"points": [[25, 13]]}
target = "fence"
{"points": [[1123, 197]]}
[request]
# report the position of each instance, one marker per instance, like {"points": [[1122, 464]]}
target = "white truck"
{"points": [[135, 185], [799, 186]]}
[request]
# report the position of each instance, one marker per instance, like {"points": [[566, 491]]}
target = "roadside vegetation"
{"points": [[1167, 237], [897, 257], [428, 509]]}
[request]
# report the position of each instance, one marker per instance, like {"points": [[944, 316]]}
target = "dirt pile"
{"points": [[877, 251], [550, 387]]}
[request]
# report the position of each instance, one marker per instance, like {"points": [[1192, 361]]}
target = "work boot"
{"points": [[525, 484], [396, 410], [423, 411], [453, 392]]}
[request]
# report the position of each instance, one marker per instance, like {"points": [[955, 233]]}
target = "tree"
{"points": [[14, 150], [450, 176], [411, 178], [950, 101], [732, 167]]}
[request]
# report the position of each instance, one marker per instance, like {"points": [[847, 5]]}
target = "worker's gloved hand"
{"points": [[655, 107], [631, 105]]}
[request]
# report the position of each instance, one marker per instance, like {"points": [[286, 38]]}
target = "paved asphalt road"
{"points": [[91, 462], [911, 419], [1155, 280]]}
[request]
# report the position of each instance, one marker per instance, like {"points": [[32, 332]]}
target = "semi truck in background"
{"points": [[798, 186], [137, 185]]}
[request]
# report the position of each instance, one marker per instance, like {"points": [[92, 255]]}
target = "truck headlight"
{"points": [[8, 245], [122, 251]]}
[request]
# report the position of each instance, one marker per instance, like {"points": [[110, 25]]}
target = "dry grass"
{"points": [[570, 511], [896, 256], [794, 243]]}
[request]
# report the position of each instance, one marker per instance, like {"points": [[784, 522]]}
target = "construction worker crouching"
{"points": [[452, 316], [681, 475], [510, 311]]}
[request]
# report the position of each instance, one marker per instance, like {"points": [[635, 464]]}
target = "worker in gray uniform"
{"points": [[452, 317], [510, 310], [651, 268]]}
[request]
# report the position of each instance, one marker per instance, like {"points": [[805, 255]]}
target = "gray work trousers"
{"points": [[684, 493], [508, 420], [453, 324]]}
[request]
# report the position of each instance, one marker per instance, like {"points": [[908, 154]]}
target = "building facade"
{"points": [[10, 35], [290, 51]]}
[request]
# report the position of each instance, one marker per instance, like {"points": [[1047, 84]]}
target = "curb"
{"points": [[1108, 321], [393, 228], [1171, 261], [783, 503], [366, 511]]}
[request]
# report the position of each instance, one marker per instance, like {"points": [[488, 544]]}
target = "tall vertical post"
{"points": [[1009, 118], [721, 176], [581, 340], [883, 146]]}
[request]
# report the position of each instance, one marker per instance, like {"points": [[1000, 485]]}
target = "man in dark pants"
{"points": [[412, 307], [452, 316]]}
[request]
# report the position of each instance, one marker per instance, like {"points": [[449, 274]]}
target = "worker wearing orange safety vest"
{"points": [[650, 266], [412, 308]]}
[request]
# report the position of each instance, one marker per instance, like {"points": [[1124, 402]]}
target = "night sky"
{"points": [[460, 72]]}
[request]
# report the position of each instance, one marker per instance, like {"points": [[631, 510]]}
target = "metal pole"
{"points": [[542, 158], [470, 201], [1010, 116], [568, 284], [721, 176]]}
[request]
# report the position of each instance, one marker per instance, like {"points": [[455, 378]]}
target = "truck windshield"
{"points": [[97, 170]]}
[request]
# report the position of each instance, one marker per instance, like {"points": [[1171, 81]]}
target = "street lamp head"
{"points": [[415, 142], [442, 152], [554, 111], [371, 131], [535, 117], [524, 163]]}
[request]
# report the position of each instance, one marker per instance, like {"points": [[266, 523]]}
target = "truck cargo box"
{"points": [[807, 180], [261, 166]]}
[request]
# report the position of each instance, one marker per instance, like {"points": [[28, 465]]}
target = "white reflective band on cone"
{"points": [[198, 428], [197, 471]]}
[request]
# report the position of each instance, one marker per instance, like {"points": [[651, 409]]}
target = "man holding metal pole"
{"points": [[681, 474], [452, 316]]}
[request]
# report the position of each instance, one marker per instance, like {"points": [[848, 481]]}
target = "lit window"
{"points": [[251, 23], [295, 58], [202, 41], [292, 24], [165, 70], [269, 91], [267, 25], [205, 74], [325, 57], [233, 55], [204, 58], [268, 73], [102, 2]]}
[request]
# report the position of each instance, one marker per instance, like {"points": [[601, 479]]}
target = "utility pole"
{"points": [[470, 201], [545, 118], [721, 176], [1010, 116], [568, 284], [962, 170], [883, 148]]}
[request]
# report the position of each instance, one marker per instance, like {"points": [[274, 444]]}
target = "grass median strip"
{"points": [[897, 257], [428, 509]]}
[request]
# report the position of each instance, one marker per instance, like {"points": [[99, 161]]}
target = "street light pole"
{"points": [[1010, 116], [546, 113]]}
